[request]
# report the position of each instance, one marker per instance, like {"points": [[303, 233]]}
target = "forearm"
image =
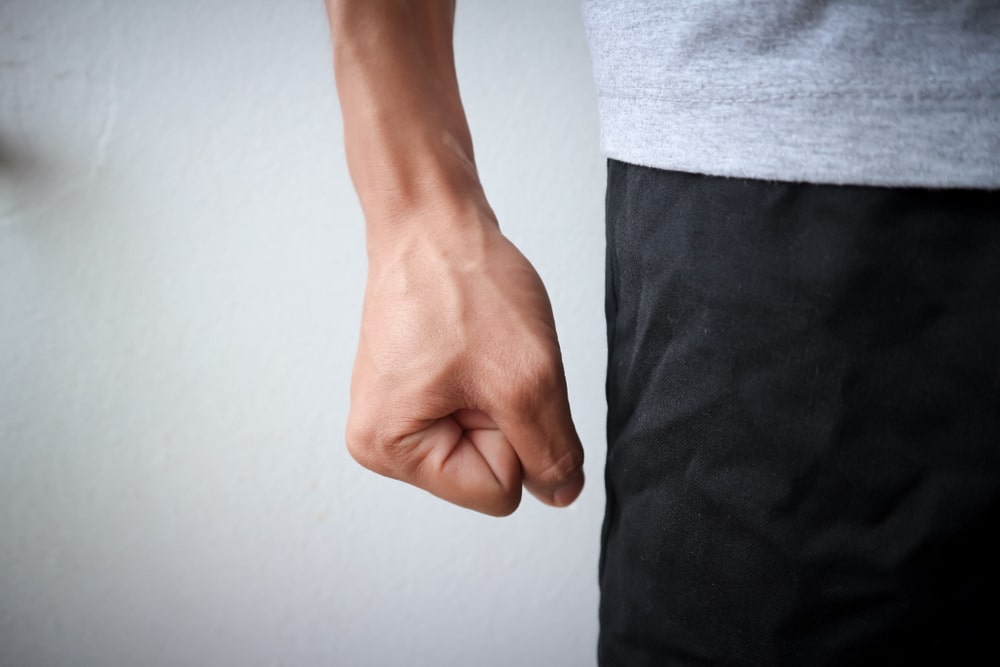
{"points": [[458, 385], [407, 140]]}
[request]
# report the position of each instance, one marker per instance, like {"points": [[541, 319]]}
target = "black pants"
{"points": [[804, 423]]}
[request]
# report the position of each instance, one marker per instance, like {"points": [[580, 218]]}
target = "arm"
{"points": [[458, 385]]}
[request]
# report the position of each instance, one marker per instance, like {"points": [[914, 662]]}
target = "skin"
{"points": [[458, 385]]}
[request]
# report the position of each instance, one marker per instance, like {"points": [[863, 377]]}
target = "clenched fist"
{"points": [[458, 385]]}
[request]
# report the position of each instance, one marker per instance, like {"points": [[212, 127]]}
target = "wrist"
{"points": [[424, 188], [399, 167], [448, 224]]}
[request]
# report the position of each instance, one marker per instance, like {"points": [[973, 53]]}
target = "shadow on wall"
{"points": [[16, 170], [15, 163], [19, 172], [31, 180]]}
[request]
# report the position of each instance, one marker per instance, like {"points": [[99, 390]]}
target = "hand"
{"points": [[458, 385]]}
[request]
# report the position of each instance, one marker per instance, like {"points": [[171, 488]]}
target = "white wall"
{"points": [[181, 267]]}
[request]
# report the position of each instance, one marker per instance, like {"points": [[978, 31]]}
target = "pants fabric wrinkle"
{"points": [[803, 422]]}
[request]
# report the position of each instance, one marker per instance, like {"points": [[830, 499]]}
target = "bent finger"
{"points": [[468, 463]]}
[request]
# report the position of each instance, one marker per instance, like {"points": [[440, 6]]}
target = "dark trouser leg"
{"points": [[804, 423]]}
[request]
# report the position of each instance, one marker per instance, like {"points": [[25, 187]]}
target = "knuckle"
{"points": [[359, 449], [561, 470], [363, 444]]}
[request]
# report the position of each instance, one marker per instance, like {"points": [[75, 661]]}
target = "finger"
{"points": [[465, 459], [474, 419], [549, 449]]}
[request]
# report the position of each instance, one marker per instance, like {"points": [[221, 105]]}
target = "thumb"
{"points": [[546, 442]]}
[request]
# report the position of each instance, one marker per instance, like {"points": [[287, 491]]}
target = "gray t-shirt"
{"points": [[878, 92]]}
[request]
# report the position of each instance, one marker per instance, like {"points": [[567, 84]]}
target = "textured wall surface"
{"points": [[181, 268]]}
